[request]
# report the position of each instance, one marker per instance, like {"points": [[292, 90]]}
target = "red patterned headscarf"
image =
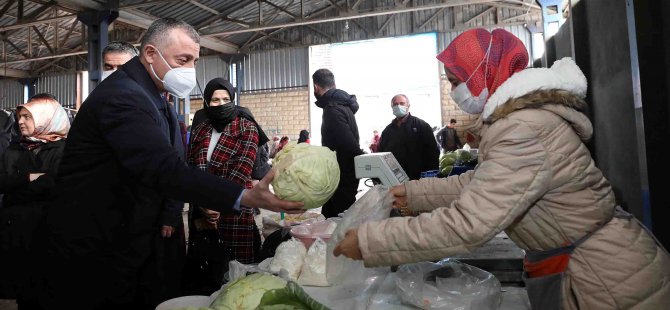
{"points": [[463, 56]]}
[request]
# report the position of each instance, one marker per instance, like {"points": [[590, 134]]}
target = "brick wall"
{"points": [[451, 110], [280, 113]]}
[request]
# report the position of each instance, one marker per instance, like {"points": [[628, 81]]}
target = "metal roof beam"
{"points": [[14, 73], [351, 17], [356, 4], [432, 17], [16, 48], [487, 11], [204, 7], [224, 13], [6, 7], [144, 20], [146, 3], [37, 22], [13, 62], [44, 40]]}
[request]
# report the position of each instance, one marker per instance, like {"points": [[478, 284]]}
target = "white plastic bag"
{"points": [[313, 271], [289, 256], [447, 284]]}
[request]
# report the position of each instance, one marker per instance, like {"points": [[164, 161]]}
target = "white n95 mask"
{"points": [[178, 81]]}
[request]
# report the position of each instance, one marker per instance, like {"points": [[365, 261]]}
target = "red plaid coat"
{"points": [[233, 159]]}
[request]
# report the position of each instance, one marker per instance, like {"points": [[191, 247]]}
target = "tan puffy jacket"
{"points": [[535, 180]]}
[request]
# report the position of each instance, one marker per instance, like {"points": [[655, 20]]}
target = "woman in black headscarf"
{"points": [[226, 144]]}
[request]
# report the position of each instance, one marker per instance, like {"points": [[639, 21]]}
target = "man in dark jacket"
{"points": [[447, 137], [339, 132], [410, 139], [122, 160]]}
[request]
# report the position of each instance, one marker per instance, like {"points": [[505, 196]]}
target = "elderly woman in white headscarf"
{"points": [[27, 173]]}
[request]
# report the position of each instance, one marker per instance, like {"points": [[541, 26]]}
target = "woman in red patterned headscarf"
{"points": [[535, 180], [481, 61]]}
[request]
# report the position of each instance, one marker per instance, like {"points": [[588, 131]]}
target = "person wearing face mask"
{"points": [[536, 180], [410, 139], [171, 234], [226, 144], [114, 55], [339, 132], [123, 160], [27, 172]]}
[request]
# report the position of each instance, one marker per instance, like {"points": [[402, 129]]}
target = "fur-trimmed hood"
{"points": [[560, 89]]}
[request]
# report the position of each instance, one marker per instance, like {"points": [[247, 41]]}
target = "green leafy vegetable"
{"points": [[306, 173]]}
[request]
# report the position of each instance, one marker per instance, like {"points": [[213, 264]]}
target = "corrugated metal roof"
{"points": [[203, 14]]}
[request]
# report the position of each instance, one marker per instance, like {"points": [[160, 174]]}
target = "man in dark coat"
{"points": [[121, 162], [410, 139], [339, 132], [447, 137]]}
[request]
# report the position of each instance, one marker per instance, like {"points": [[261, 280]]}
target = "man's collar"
{"points": [[402, 120]]}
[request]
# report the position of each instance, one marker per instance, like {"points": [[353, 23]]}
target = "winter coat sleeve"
{"points": [[336, 124], [514, 174], [440, 137], [428, 194], [171, 213], [145, 151]]}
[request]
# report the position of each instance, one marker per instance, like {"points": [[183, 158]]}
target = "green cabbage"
{"points": [[306, 173], [265, 292], [246, 293]]}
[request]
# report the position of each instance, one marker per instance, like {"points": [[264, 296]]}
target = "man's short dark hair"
{"points": [[43, 96], [120, 47], [324, 78], [158, 32], [452, 121]]}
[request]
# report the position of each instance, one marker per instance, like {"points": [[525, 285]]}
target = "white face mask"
{"points": [[106, 74], [464, 98], [467, 102], [178, 81], [399, 110]]}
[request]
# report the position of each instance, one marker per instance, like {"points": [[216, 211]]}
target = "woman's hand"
{"points": [[399, 193], [34, 176], [349, 246], [211, 215], [167, 231]]}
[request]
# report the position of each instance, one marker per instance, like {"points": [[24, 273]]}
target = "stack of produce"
{"points": [[457, 158]]}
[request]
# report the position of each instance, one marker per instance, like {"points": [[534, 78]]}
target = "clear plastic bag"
{"points": [[375, 205], [447, 284]]}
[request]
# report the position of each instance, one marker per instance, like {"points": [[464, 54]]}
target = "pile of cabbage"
{"points": [[306, 173], [265, 292], [456, 158]]}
